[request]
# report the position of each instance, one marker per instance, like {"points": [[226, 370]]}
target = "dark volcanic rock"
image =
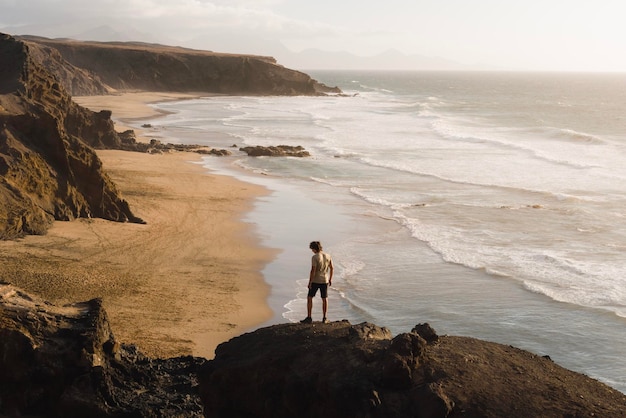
{"points": [[128, 66], [48, 169], [275, 151], [65, 362], [213, 151], [342, 370]]}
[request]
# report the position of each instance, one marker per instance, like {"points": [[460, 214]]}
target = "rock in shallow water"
{"points": [[276, 151]]}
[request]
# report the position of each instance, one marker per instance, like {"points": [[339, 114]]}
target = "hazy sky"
{"points": [[584, 35]]}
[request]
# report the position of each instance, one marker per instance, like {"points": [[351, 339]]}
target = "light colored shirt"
{"points": [[320, 263]]}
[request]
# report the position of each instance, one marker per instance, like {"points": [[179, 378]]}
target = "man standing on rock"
{"points": [[321, 277]]}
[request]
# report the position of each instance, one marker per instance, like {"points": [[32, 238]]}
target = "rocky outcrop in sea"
{"points": [[276, 151]]}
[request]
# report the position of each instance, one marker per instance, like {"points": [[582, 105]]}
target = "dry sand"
{"points": [[181, 284]]}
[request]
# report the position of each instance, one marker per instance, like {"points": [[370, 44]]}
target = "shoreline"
{"points": [[133, 106], [384, 273], [188, 280]]}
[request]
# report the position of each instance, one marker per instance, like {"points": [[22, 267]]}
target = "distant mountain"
{"points": [[315, 59], [107, 33]]}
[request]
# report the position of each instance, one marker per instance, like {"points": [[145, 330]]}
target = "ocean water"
{"points": [[491, 205]]}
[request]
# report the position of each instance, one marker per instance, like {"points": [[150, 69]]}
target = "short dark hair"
{"points": [[315, 245]]}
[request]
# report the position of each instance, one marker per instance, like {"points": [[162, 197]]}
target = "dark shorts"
{"points": [[322, 287]]}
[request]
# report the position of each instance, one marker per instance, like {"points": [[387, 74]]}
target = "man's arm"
{"points": [[330, 273], [311, 275]]}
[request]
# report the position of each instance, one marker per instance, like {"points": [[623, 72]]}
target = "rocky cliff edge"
{"points": [[65, 361], [342, 370]]}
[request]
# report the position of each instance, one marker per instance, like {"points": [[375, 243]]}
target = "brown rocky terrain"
{"points": [[65, 361], [48, 169], [140, 66], [340, 370], [77, 81]]}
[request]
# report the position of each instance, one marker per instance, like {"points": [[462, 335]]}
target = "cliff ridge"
{"points": [[151, 67]]}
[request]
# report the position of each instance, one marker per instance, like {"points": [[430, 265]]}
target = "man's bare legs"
{"points": [[309, 306], [309, 309]]}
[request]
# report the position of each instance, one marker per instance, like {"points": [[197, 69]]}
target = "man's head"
{"points": [[315, 246]]}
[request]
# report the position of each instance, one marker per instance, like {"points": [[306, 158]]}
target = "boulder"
{"points": [[276, 151], [214, 151]]}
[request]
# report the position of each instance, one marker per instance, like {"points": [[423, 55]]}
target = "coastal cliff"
{"points": [[65, 361], [48, 169], [150, 67]]}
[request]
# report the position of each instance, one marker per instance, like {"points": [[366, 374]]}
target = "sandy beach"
{"points": [[187, 280], [132, 106]]}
